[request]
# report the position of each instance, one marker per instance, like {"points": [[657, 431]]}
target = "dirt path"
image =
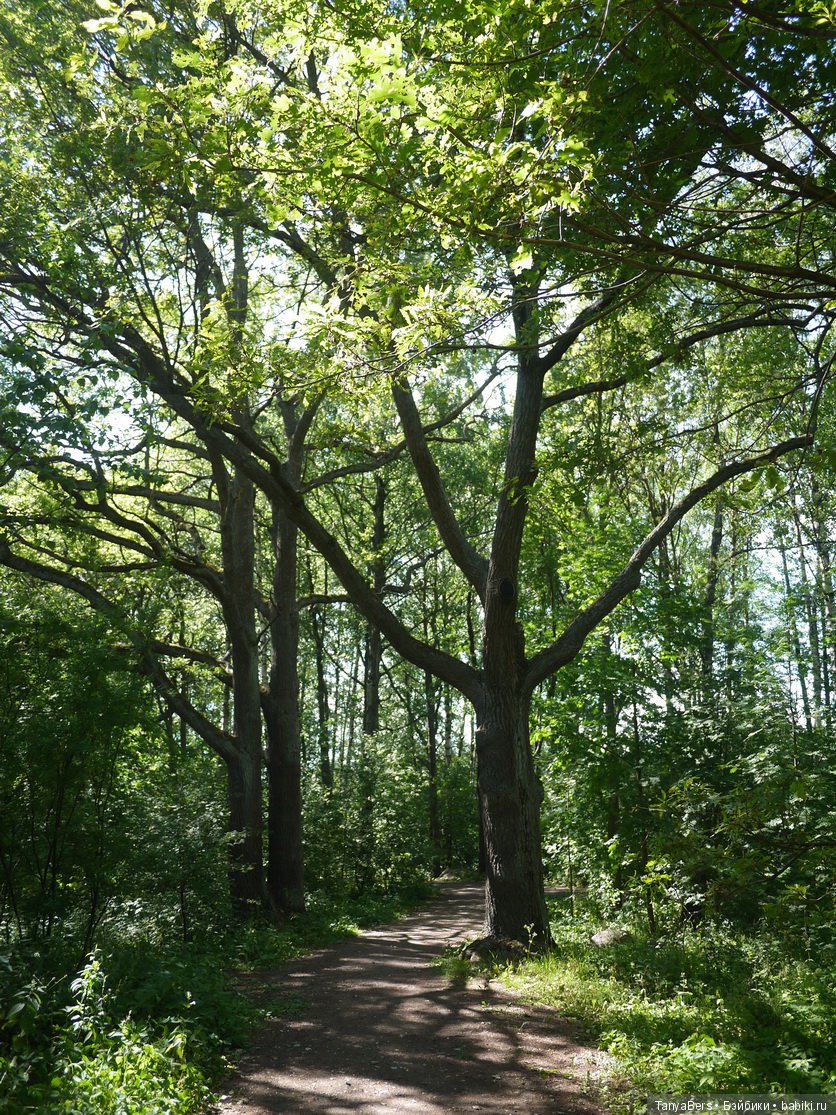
{"points": [[371, 1028]]}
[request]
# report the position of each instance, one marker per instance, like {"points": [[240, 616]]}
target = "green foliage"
{"points": [[110, 1040], [211, 220], [102, 819], [146, 1027], [369, 831], [707, 1010]]}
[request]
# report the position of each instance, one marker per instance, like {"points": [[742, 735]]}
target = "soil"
{"points": [[371, 1027]]}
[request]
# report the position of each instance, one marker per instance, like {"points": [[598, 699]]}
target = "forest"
{"points": [[416, 460]]}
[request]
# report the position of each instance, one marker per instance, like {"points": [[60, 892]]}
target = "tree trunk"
{"points": [[244, 768], [710, 597], [613, 770], [795, 640], [374, 649], [285, 870], [828, 608], [366, 768], [236, 493], [812, 621], [510, 795], [448, 767], [326, 772], [246, 883], [432, 779]]}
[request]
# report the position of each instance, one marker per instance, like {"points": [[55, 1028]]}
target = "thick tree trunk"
{"points": [[246, 882], [236, 492], [285, 870], [510, 795]]}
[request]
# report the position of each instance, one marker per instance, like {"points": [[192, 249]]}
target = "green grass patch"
{"points": [[698, 1010]]}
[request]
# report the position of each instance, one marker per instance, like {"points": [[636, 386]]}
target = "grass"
{"points": [[707, 1010], [146, 1027]]}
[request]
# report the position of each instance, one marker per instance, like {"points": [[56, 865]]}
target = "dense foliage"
{"points": [[416, 455]]}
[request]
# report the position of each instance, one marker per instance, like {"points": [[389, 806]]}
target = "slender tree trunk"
{"points": [[828, 607], [812, 622], [374, 649], [613, 771], [432, 780], [326, 773], [800, 667], [730, 641], [448, 767], [643, 813], [366, 767], [710, 597]]}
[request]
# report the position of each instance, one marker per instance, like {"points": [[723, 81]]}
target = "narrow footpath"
{"points": [[370, 1027]]}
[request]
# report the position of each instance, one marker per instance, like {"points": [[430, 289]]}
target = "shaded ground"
{"points": [[371, 1028]]}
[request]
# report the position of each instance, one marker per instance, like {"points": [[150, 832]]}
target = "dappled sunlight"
{"points": [[385, 1031]]}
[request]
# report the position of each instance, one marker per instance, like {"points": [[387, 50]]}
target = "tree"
{"points": [[295, 138]]}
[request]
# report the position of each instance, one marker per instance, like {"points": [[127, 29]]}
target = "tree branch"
{"points": [[471, 563], [600, 386], [569, 644]]}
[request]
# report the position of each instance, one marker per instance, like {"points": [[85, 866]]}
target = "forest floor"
{"points": [[372, 1027]]}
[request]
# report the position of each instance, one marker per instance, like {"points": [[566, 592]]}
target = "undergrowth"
{"points": [[710, 1009], [144, 1026]]}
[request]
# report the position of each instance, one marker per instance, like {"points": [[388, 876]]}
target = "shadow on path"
{"points": [[376, 1030]]}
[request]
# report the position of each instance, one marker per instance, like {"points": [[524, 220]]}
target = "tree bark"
{"points": [[710, 597], [326, 772], [285, 870], [246, 883], [432, 773], [828, 594], [245, 765], [795, 640], [374, 648], [510, 795], [812, 621]]}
